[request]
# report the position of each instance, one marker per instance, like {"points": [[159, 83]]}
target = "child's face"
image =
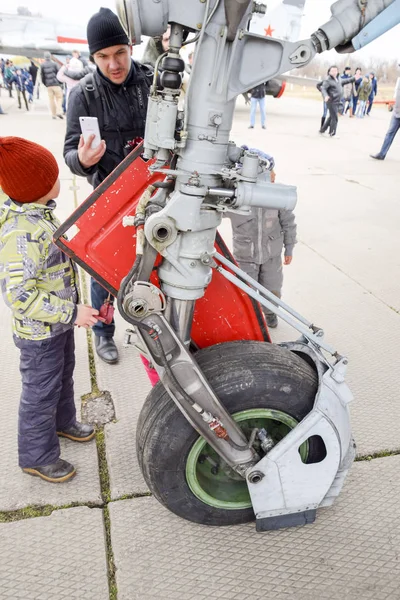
{"points": [[55, 192]]}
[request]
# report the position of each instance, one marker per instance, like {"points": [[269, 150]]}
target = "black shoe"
{"points": [[272, 321], [251, 126], [106, 349], [377, 156], [80, 432], [263, 127], [55, 473], [60, 116]]}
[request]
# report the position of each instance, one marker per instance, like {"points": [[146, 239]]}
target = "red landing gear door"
{"points": [[95, 238]]}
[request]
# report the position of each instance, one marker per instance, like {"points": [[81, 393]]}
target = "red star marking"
{"points": [[269, 31]]}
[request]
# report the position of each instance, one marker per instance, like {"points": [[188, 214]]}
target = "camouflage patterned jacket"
{"points": [[37, 280]]}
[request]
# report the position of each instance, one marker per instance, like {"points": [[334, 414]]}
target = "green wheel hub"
{"points": [[212, 481]]}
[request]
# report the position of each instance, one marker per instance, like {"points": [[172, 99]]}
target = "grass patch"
{"points": [[381, 454], [103, 467], [112, 583], [32, 512], [134, 496], [89, 338], [106, 495]]}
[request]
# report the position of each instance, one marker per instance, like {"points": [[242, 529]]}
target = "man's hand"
{"points": [[89, 156], [287, 260], [86, 316], [327, 98], [273, 176]]}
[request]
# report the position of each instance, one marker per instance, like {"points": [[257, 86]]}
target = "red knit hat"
{"points": [[28, 171]]}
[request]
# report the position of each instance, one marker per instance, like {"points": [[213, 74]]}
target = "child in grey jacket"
{"points": [[258, 242]]}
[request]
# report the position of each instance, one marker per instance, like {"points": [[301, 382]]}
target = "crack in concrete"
{"points": [[392, 308]]}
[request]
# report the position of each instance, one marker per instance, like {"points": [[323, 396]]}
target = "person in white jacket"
{"points": [[74, 65]]}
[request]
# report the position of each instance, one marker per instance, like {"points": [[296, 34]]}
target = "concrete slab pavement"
{"points": [[59, 557], [344, 276], [350, 552], [129, 385]]}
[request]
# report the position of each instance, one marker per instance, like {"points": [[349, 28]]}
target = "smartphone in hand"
{"points": [[90, 126]]}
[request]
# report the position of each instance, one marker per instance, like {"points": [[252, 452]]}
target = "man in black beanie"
{"points": [[116, 93]]}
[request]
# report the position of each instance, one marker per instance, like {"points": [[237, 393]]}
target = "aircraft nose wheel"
{"points": [[212, 481], [262, 386]]}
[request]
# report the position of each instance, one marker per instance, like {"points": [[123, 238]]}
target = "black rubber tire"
{"points": [[274, 378]]}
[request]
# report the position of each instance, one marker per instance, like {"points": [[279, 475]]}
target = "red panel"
{"points": [[106, 250], [282, 90], [69, 40]]}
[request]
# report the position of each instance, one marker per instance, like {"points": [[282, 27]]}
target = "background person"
{"points": [[155, 47], [19, 81], [393, 127], [33, 71], [73, 65], [324, 105], [29, 87], [257, 99], [48, 74], [364, 92], [356, 84], [374, 82], [347, 94], [258, 243], [9, 72], [332, 91]]}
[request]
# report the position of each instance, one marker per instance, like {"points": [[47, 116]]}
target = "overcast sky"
{"points": [[317, 12]]}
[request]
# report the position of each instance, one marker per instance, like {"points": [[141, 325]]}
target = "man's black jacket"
{"points": [[48, 73], [122, 118], [258, 92], [333, 88]]}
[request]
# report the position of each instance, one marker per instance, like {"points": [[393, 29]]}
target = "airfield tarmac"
{"points": [[106, 538]]}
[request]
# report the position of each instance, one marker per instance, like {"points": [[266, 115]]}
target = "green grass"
{"points": [[106, 496], [112, 583], [32, 512], [381, 454]]}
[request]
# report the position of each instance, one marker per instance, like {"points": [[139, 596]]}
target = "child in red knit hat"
{"points": [[39, 283]]}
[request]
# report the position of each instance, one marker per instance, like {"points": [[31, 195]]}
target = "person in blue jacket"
{"points": [[19, 80], [29, 87]]}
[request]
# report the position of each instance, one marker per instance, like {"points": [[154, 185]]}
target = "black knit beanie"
{"points": [[105, 30]]}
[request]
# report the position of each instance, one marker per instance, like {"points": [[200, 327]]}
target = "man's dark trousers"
{"points": [[98, 296], [23, 94], [47, 400], [332, 120], [391, 134]]}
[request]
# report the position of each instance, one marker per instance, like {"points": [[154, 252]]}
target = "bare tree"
{"points": [[385, 69], [24, 11]]}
